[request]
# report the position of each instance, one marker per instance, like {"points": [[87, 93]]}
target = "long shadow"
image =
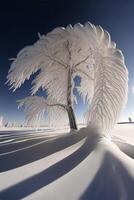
{"points": [[126, 148], [14, 137], [20, 158], [11, 140], [19, 145], [34, 183], [112, 182], [18, 134], [13, 132]]}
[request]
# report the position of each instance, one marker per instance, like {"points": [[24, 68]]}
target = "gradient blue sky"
{"points": [[20, 21]]}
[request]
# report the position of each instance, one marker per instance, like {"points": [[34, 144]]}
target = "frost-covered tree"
{"points": [[130, 119], [8, 124], [1, 121], [61, 55]]}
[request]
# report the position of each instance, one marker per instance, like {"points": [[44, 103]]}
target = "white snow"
{"points": [[81, 167], [124, 132]]}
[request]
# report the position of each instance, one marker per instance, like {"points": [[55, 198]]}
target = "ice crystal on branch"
{"points": [[64, 53], [37, 107]]}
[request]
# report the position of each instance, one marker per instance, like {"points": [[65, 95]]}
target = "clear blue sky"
{"points": [[20, 21]]}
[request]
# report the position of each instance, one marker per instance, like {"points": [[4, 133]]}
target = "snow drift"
{"points": [[81, 165]]}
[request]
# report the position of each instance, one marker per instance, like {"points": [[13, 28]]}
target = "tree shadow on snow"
{"points": [[112, 182], [40, 150], [126, 148], [36, 182], [15, 145]]}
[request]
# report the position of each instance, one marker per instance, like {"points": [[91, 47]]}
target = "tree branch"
{"points": [[68, 49], [57, 104], [57, 61], [79, 70], [81, 61]]}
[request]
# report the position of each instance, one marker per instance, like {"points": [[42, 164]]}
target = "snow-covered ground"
{"points": [[58, 165]]}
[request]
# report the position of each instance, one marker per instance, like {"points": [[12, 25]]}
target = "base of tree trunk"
{"points": [[72, 120]]}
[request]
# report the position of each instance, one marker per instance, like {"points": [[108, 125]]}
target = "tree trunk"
{"points": [[71, 116]]}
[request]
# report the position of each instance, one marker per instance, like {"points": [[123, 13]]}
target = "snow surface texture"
{"points": [[85, 51], [79, 165]]}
